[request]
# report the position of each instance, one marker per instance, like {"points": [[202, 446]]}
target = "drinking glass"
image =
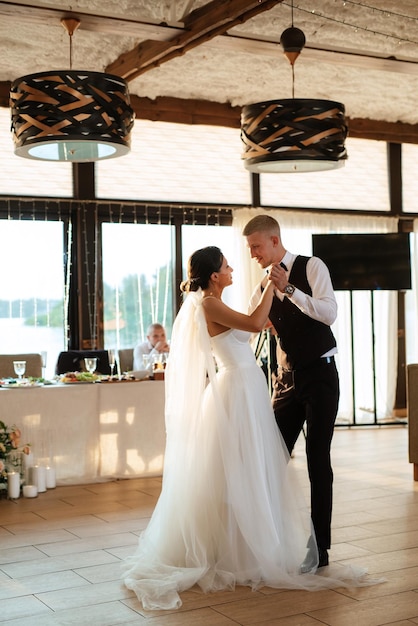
{"points": [[20, 368], [112, 361], [44, 355], [91, 364], [145, 361]]}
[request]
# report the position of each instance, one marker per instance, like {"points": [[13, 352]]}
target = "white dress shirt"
{"points": [[321, 305], [139, 351]]}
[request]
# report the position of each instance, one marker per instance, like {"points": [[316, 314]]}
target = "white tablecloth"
{"points": [[91, 432]]}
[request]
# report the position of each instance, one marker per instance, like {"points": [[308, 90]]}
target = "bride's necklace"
{"points": [[212, 295]]}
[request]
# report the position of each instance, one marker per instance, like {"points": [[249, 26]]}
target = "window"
{"points": [[26, 176], [361, 184], [195, 237], [409, 178], [137, 281], [177, 163], [32, 293]]}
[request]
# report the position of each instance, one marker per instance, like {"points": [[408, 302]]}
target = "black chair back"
{"points": [[73, 361]]}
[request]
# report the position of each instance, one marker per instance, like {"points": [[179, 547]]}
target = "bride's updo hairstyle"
{"points": [[200, 268]]}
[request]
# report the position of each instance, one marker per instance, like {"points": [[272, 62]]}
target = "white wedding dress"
{"points": [[229, 512]]}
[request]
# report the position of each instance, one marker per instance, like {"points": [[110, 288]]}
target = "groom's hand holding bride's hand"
{"points": [[278, 277]]}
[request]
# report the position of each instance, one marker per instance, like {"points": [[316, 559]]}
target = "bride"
{"points": [[229, 512]]}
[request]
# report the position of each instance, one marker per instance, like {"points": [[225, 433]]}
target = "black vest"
{"points": [[301, 338]]}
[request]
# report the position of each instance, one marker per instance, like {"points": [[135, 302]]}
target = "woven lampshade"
{"points": [[294, 135], [71, 115]]}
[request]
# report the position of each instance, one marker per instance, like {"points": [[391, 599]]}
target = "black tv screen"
{"points": [[366, 261]]}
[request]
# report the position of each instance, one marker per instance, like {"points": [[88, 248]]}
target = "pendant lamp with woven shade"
{"points": [[295, 134], [70, 115]]}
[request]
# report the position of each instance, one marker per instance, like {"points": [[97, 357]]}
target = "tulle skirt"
{"points": [[230, 511]]}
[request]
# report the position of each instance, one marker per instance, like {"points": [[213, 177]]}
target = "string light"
{"points": [[67, 273], [386, 12], [96, 275], [48, 302], [35, 299], [91, 297], [357, 27]]}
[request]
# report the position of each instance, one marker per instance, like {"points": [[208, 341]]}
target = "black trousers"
{"points": [[311, 395]]}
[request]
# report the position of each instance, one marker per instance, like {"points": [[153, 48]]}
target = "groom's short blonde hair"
{"points": [[263, 224]]}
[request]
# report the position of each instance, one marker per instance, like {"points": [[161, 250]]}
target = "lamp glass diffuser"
{"points": [[293, 135], [71, 115]]}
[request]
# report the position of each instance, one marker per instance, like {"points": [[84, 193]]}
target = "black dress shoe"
{"points": [[323, 557], [313, 560]]}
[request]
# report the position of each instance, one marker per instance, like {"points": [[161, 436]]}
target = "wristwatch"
{"points": [[289, 289]]}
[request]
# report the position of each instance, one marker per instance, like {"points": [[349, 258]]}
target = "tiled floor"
{"points": [[60, 553]]}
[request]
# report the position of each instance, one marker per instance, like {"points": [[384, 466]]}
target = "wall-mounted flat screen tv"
{"points": [[366, 261]]}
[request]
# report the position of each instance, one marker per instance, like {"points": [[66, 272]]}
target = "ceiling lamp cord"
{"points": [[293, 135], [292, 64], [70, 24]]}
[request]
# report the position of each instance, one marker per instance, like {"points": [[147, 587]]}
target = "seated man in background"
{"points": [[155, 344]]}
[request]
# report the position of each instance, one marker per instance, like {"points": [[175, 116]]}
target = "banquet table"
{"points": [[91, 432]]}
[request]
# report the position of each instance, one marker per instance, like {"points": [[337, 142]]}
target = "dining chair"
{"points": [[73, 361], [33, 364], [126, 359]]}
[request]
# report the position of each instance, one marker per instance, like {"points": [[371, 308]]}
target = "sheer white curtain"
{"points": [[297, 229], [411, 303]]}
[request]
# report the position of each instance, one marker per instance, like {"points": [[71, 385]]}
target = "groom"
{"points": [[307, 387]]}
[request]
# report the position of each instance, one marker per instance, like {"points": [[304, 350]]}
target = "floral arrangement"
{"points": [[10, 449]]}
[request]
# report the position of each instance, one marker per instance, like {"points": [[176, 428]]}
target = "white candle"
{"points": [[41, 479], [33, 475], [38, 477], [30, 491], [50, 479], [13, 485]]}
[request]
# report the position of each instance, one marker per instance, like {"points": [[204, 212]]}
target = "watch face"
{"points": [[289, 289]]}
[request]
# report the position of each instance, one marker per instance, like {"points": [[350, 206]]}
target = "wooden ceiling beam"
{"points": [[51, 16], [392, 132], [202, 25], [180, 111], [19, 10]]}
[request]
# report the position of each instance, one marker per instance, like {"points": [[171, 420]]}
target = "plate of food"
{"points": [[71, 378], [21, 383]]}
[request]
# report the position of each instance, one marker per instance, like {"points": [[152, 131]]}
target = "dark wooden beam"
{"points": [[202, 25], [24, 13], [179, 111], [393, 132], [4, 93]]}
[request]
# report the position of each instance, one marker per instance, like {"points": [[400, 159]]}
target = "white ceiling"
{"points": [[364, 54]]}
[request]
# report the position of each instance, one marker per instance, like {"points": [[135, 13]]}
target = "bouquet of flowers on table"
{"points": [[11, 452]]}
